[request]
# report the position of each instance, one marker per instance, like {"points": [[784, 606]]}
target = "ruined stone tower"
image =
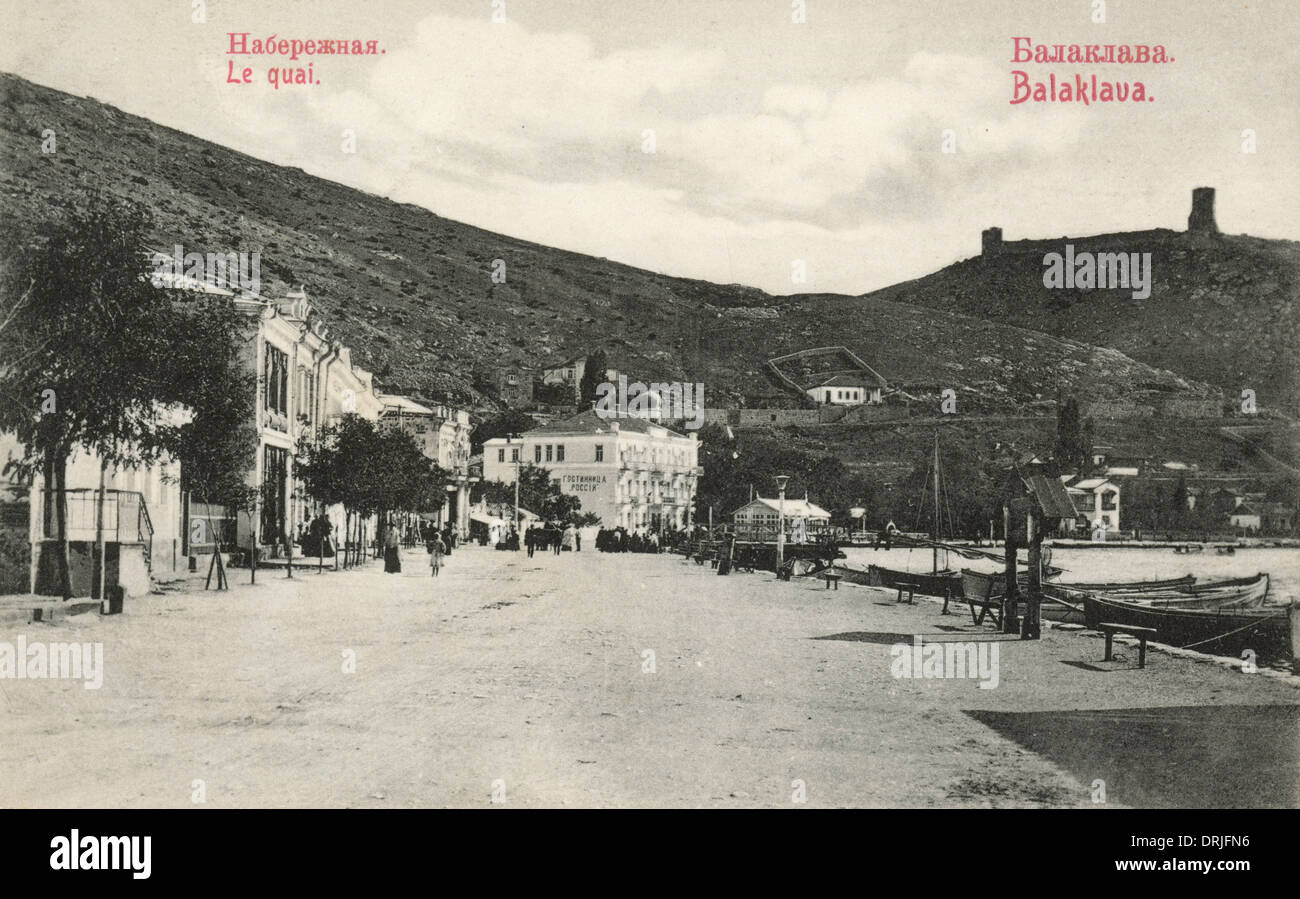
{"points": [[1201, 221], [991, 240]]}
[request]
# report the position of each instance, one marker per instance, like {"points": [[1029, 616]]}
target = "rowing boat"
{"points": [[978, 584], [1066, 604], [928, 583], [1235, 593], [1293, 612], [1123, 586], [1221, 631]]}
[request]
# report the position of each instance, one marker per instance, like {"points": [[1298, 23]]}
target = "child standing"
{"points": [[436, 551]]}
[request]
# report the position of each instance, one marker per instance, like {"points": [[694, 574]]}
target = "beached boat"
{"points": [[1125, 586], [1218, 631], [978, 584], [928, 583], [849, 574], [1293, 612], [1187, 548], [1065, 604], [1233, 592]]}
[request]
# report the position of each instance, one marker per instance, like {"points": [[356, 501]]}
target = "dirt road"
{"points": [[574, 680]]}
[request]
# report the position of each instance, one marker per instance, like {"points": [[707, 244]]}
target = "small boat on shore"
{"points": [[1218, 631], [1188, 548], [1125, 586], [1293, 613], [1066, 604], [1245, 592], [978, 584], [928, 583]]}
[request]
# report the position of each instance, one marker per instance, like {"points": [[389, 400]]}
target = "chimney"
{"points": [[991, 241], [1202, 218]]}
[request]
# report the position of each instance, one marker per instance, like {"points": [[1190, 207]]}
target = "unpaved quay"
{"points": [[574, 680]]}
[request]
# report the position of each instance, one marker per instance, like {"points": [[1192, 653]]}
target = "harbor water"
{"points": [[1282, 564]]}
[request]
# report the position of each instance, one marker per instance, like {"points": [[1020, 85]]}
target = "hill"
{"points": [[1222, 307], [412, 294]]}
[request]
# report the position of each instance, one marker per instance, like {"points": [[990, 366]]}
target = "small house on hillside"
{"points": [[848, 390]]}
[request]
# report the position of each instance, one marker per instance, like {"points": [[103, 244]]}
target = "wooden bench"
{"points": [[1143, 634], [911, 591], [833, 578]]}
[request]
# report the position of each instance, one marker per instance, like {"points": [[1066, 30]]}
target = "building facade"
{"points": [[631, 472], [1096, 503], [443, 434], [846, 390]]}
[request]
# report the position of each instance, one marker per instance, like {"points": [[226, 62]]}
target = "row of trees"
{"points": [[369, 472], [539, 494]]}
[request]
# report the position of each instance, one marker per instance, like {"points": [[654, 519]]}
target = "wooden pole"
{"points": [[1009, 557], [100, 547], [1031, 628]]}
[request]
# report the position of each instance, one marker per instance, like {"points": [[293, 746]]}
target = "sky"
{"points": [[722, 140]]}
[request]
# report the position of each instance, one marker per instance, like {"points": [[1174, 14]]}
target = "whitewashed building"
{"points": [[631, 472], [759, 519]]}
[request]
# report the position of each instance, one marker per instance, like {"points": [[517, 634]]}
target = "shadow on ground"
{"points": [[1231, 756]]}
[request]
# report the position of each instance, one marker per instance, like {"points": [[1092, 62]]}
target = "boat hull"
{"points": [[1219, 631], [930, 583]]}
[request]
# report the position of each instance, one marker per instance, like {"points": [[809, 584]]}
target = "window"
{"points": [[548, 452], [514, 455], [559, 452], [600, 452], [537, 453], [501, 455], [276, 373]]}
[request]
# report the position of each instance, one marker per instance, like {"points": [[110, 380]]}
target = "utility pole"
{"points": [[781, 481], [518, 458]]}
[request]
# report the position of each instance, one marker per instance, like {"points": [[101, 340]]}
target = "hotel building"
{"points": [[631, 472]]}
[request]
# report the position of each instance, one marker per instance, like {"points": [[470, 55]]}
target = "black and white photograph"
{"points": [[651, 404]]}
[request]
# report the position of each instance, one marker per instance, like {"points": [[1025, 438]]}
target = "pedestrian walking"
{"points": [[392, 551], [569, 538]]}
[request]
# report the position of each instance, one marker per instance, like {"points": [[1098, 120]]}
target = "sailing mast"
{"points": [[934, 532]]}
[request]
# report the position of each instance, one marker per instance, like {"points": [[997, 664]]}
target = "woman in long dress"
{"points": [[392, 557]]}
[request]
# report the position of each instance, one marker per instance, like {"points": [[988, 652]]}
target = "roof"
{"points": [[403, 404], [1091, 483], [1050, 493], [552, 366], [794, 508], [850, 381], [589, 422]]}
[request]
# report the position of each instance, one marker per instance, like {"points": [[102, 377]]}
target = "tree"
{"points": [[1073, 450], [538, 493], [592, 374], [368, 471], [92, 346]]}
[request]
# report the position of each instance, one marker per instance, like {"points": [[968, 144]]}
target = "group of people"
{"points": [[437, 543], [313, 537], [552, 537], [619, 540]]}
